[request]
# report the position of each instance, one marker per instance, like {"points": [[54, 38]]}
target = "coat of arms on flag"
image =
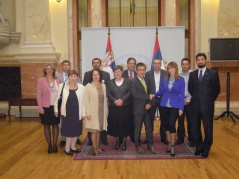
{"points": [[108, 62]]}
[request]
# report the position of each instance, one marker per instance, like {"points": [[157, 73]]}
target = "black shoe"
{"points": [[164, 141], [78, 142], [198, 152], [204, 155], [49, 150], [145, 141], [75, 151], [172, 152], [191, 144], [123, 146], [168, 148], [62, 143], [105, 143], [89, 143], [68, 153], [55, 150], [179, 141]]}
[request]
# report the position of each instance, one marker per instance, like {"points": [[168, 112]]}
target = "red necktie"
{"points": [[130, 76]]}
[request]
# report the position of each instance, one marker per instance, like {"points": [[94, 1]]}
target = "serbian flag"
{"points": [[157, 53], [108, 62]]}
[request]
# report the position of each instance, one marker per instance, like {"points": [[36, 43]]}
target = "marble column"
{"points": [[170, 13], [37, 27], [97, 13]]}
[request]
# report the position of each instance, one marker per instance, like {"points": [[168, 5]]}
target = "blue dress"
{"points": [[71, 125]]}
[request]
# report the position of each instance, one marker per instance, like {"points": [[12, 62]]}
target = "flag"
{"points": [[157, 53], [109, 61]]}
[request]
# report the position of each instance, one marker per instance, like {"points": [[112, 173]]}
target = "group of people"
{"points": [[119, 107]]}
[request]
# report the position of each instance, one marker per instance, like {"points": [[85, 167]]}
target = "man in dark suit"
{"points": [[96, 63], [130, 73], [63, 76], [204, 87], [141, 108], [153, 77]]}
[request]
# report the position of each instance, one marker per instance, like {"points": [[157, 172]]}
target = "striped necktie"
{"points": [[144, 85]]}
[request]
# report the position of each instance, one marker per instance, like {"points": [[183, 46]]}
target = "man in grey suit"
{"points": [[96, 63], [153, 78], [141, 108], [63, 76], [130, 74], [204, 87]]}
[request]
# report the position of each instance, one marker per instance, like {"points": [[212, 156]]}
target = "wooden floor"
{"points": [[23, 154]]}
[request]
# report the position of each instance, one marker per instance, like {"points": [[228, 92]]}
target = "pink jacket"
{"points": [[43, 93]]}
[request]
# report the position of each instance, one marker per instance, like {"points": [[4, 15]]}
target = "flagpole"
{"points": [[109, 31], [156, 30]]}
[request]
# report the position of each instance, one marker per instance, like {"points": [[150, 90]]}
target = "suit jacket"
{"points": [[65, 93], [140, 97], [43, 93], [126, 74], [91, 107], [60, 76], [204, 93], [87, 77], [176, 94], [151, 81]]}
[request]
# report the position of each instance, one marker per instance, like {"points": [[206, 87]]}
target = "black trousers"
{"points": [[154, 106], [169, 116], [139, 119], [207, 120], [181, 129], [103, 136]]}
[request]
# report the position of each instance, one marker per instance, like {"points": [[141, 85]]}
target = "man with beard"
{"points": [[204, 87], [96, 63]]}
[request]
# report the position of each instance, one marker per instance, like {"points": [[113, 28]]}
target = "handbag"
{"points": [[60, 101]]}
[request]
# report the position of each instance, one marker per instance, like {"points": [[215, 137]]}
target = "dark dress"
{"points": [[119, 116], [71, 125]]}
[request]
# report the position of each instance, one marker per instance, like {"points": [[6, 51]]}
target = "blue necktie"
{"points": [[200, 76]]}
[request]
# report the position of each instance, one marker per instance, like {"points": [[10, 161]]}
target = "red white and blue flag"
{"points": [[157, 53], [109, 61]]}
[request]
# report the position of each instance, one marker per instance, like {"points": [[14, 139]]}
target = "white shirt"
{"points": [[53, 92], [132, 72], [186, 78], [203, 71], [157, 80], [65, 76]]}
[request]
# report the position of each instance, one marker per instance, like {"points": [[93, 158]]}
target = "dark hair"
{"points": [[94, 59], [140, 64], [54, 69], [117, 67], [91, 75], [66, 61], [131, 58], [173, 65], [186, 59], [72, 72], [201, 54]]}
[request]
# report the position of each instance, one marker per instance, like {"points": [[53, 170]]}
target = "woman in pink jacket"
{"points": [[47, 87]]}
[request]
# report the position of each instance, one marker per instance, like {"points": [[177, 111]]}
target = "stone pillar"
{"points": [[97, 13], [37, 27], [170, 13]]}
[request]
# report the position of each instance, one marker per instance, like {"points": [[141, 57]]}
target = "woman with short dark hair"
{"points": [[119, 94]]}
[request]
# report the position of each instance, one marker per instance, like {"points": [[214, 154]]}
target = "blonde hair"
{"points": [[72, 72], [173, 65], [45, 67]]}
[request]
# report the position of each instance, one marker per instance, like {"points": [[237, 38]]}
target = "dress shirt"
{"points": [[157, 80], [186, 78], [203, 71], [65, 76], [132, 72]]}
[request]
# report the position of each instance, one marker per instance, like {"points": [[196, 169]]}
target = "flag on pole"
{"points": [[157, 53], [109, 61]]}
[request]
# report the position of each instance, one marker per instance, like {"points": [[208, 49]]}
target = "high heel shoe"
{"points": [[117, 145], [55, 150], [49, 149], [168, 148], [172, 153]]}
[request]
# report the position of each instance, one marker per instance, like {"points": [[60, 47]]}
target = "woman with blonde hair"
{"points": [[72, 111], [171, 90], [47, 87], [96, 108]]}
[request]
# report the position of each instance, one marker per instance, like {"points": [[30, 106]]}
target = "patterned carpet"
{"points": [[183, 151]]}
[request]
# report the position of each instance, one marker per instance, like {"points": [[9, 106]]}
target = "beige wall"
{"points": [[9, 12]]}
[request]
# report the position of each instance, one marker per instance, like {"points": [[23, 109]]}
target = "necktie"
{"points": [[130, 76], [200, 76], [145, 87], [66, 77]]}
